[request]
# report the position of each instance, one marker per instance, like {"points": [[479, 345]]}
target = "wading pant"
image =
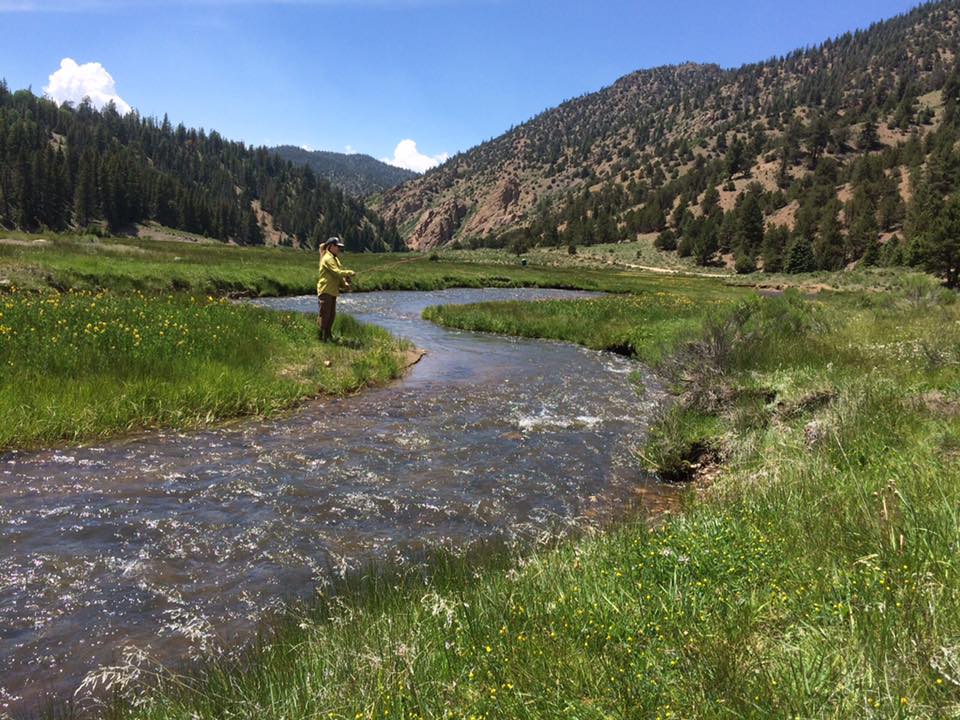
{"points": [[328, 311]]}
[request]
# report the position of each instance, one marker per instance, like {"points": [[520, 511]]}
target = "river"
{"points": [[179, 543]]}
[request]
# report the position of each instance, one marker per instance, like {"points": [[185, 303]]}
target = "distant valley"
{"points": [[357, 174]]}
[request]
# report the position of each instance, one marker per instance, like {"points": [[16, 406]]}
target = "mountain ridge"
{"points": [[640, 155], [356, 173]]}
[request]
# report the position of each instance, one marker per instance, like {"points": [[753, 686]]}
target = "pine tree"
{"points": [[745, 261], [892, 253], [750, 227], [872, 253], [942, 247], [774, 248], [799, 257], [85, 192], [711, 202], [727, 237], [828, 248], [951, 96], [666, 240], [862, 214], [706, 243], [869, 137], [922, 211], [818, 137]]}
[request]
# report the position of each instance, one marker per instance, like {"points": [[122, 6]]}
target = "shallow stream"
{"points": [[178, 543]]}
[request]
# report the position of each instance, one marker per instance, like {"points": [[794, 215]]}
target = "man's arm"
{"points": [[336, 268]]}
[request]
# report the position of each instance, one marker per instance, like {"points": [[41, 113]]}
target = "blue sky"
{"points": [[366, 74]]}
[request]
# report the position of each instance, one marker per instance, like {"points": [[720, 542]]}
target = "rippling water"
{"points": [[178, 543]]}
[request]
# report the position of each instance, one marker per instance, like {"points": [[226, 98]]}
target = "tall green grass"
{"points": [[82, 365], [130, 264], [646, 324]]}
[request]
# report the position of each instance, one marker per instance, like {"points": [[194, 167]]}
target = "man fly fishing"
{"points": [[333, 278]]}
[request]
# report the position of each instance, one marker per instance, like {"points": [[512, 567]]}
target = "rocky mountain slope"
{"points": [[661, 149], [359, 175]]}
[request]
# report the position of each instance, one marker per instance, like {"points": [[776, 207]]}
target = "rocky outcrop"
{"points": [[507, 193], [437, 225], [506, 205]]}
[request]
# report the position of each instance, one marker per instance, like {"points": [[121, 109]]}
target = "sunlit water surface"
{"points": [[178, 543]]}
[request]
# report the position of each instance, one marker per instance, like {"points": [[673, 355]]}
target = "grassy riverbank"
{"points": [[817, 578], [646, 325], [151, 266], [81, 365]]}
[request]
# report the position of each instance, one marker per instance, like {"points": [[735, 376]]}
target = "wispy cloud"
{"points": [[73, 82], [406, 156]]}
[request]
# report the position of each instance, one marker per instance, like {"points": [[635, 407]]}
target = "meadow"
{"points": [[122, 264], [87, 262], [82, 365], [102, 336], [639, 253], [812, 574]]}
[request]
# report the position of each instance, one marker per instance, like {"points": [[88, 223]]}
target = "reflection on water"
{"points": [[179, 542]]}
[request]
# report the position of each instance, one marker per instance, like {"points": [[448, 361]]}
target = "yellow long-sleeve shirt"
{"points": [[333, 276]]}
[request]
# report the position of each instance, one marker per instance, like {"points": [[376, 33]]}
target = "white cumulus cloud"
{"points": [[73, 83], [406, 156]]}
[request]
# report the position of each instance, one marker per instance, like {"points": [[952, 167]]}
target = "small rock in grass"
{"points": [[814, 432]]}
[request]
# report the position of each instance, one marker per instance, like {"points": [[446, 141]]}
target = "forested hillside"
{"points": [[65, 167], [842, 153], [360, 175]]}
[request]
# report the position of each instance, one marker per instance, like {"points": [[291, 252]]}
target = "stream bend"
{"points": [[177, 543]]}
